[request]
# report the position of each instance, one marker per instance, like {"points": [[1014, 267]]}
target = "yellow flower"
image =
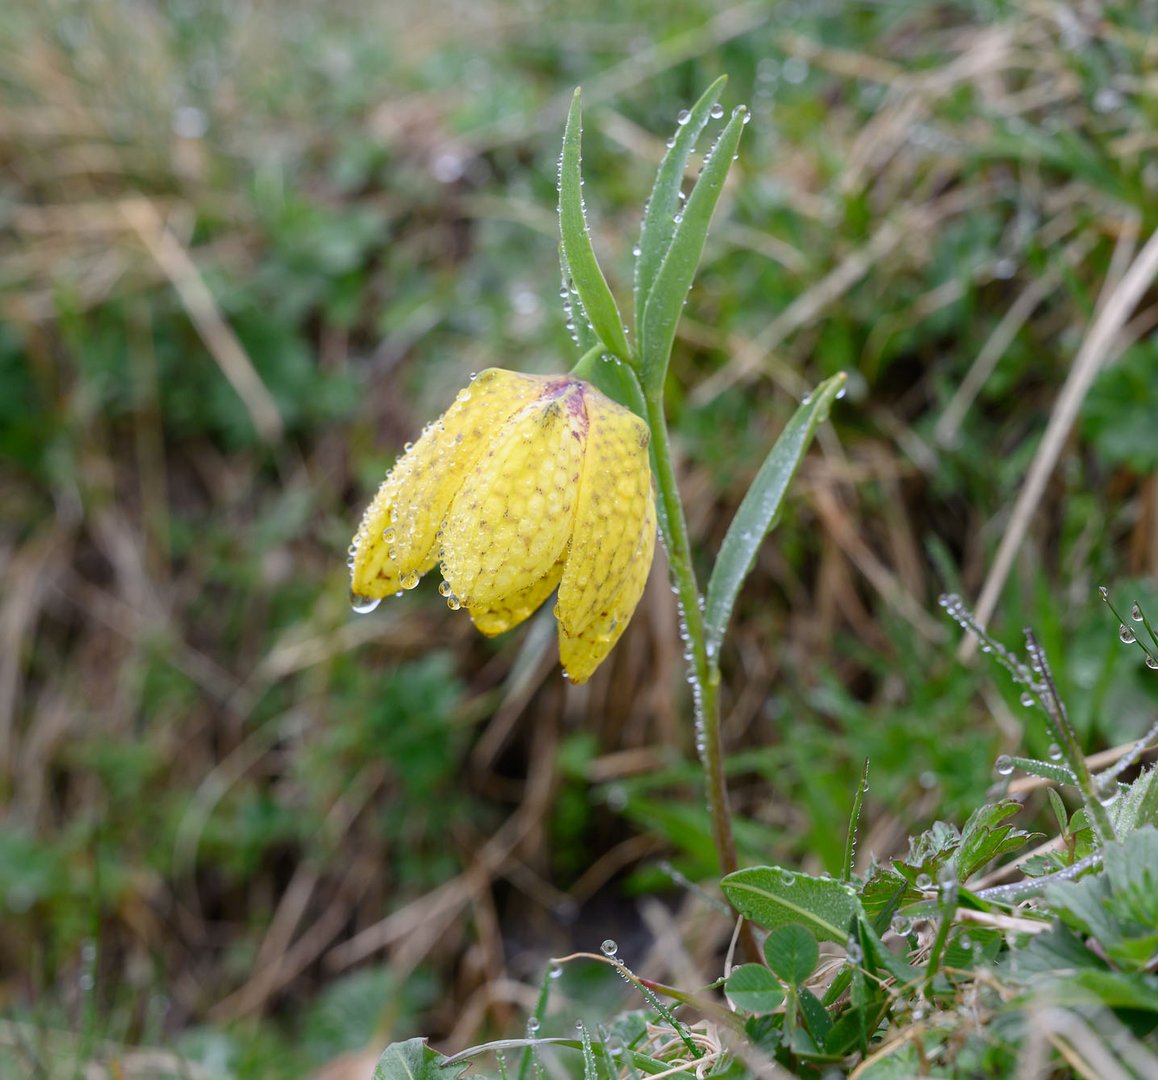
{"points": [[527, 483]]}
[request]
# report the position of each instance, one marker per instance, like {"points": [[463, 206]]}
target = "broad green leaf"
{"points": [[658, 225], [414, 1060], [753, 988], [761, 506], [792, 953], [771, 897], [578, 254], [661, 312]]}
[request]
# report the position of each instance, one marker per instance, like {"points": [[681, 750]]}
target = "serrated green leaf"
{"points": [[414, 1060], [661, 312], [792, 953], [760, 508], [985, 837], [772, 897], [1138, 805], [658, 226], [753, 988], [578, 254]]}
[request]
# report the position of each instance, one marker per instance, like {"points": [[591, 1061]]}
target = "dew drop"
{"points": [[444, 588], [409, 579], [556, 971], [1027, 699], [363, 605], [901, 924], [1136, 612], [1003, 766], [389, 535], [609, 947], [717, 111], [787, 877], [1126, 635], [678, 218], [1104, 592], [637, 251], [854, 952], [1054, 753], [1152, 661], [532, 1025], [683, 117], [923, 882]]}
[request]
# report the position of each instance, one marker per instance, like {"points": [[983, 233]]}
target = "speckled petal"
{"points": [[583, 652], [395, 544], [501, 615], [614, 495], [513, 515]]}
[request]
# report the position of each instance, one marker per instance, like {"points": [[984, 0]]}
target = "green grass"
{"points": [[209, 765]]}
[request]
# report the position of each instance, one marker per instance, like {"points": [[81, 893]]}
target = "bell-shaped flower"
{"points": [[525, 485]]}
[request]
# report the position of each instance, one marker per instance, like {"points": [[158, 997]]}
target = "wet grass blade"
{"points": [[761, 507], [578, 254]]}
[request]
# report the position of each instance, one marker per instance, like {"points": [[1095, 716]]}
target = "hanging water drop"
{"points": [[409, 580], [1136, 612], [1026, 699], [1152, 661], [532, 1026], [1003, 766], [923, 882], [444, 588], [363, 605], [1126, 635], [1104, 592], [717, 111], [683, 117], [556, 971], [1054, 752]]}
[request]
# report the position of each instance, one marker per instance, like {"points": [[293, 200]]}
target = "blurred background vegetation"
{"points": [[248, 249]]}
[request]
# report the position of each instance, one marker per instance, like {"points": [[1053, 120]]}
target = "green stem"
{"points": [[705, 671]]}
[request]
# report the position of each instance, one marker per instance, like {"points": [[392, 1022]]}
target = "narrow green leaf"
{"points": [[853, 821], [1047, 770], [578, 254], [753, 988], [658, 225], [761, 506], [771, 897], [414, 1060], [661, 312], [816, 1017], [792, 952]]}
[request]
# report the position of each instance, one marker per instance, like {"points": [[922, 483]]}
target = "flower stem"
{"points": [[704, 671]]}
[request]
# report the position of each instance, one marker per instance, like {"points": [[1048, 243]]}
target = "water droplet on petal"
{"points": [[409, 580]]}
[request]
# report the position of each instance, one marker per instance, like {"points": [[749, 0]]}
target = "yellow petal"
{"points": [[395, 543], [513, 515], [500, 615], [583, 652], [614, 496]]}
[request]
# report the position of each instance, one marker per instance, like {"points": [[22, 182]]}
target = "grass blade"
{"points": [[661, 312], [658, 227], [578, 254], [761, 506]]}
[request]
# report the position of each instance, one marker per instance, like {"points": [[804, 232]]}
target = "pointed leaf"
{"points": [[578, 254], [761, 506], [414, 1060], [658, 225], [771, 897], [1047, 770], [661, 312]]}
